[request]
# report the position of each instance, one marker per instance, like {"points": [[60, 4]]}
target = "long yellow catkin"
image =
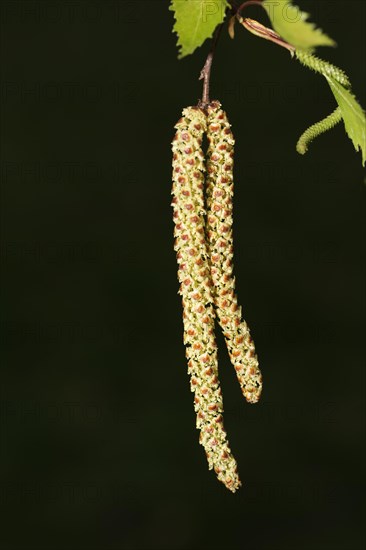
{"points": [[220, 185], [196, 291]]}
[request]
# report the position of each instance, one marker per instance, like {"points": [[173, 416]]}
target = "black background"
{"points": [[98, 440]]}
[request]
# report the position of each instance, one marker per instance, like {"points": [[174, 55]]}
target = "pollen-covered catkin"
{"points": [[196, 291], [219, 190]]}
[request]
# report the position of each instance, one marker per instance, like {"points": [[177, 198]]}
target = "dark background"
{"points": [[98, 441]]}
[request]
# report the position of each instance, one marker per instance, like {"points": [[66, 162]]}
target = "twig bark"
{"points": [[206, 70]]}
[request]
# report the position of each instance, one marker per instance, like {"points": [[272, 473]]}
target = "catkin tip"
{"points": [[301, 148], [317, 129]]}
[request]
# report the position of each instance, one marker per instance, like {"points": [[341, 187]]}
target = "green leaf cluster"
{"points": [[292, 25], [196, 20]]}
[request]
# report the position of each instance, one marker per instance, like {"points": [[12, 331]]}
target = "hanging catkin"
{"points": [[323, 67], [317, 129], [219, 183], [196, 290]]}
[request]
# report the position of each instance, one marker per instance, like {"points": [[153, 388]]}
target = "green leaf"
{"points": [[195, 21], [292, 25], [352, 114]]}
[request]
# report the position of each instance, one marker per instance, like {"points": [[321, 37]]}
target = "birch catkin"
{"points": [[219, 184], [196, 291], [317, 129]]}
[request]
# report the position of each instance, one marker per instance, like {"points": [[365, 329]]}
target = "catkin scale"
{"points": [[219, 196], [196, 289]]}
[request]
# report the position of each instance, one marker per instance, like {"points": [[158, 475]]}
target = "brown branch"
{"points": [[206, 70], [248, 3]]}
